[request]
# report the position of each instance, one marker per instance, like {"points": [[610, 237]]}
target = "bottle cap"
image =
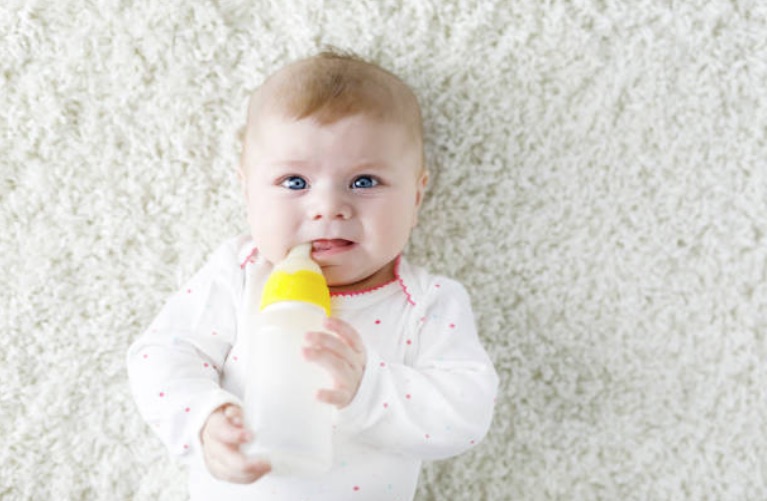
{"points": [[297, 278]]}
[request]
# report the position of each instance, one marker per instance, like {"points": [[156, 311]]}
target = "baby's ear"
{"points": [[423, 182], [421, 185]]}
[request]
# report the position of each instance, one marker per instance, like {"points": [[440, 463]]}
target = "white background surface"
{"points": [[599, 184]]}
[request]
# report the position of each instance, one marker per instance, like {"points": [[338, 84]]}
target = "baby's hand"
{"points": [[222, 436], [342, 355]]}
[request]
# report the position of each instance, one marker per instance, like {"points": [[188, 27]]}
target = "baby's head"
{"points": [[333, 154], [331, 86]]}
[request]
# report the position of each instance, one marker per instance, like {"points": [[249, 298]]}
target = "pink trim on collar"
{"points": [[402, 282], [397, 278], [361, 291], [251, 258]]}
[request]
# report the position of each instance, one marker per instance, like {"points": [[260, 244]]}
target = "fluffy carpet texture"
{"points": [[599, 184]]}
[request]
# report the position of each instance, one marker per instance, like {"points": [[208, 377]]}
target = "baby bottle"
{"points": [[293, 430]]}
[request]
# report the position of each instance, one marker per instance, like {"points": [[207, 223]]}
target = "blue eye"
{"points": [[364, 182], [295, 183]]}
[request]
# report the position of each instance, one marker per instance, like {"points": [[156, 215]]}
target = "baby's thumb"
{"points": [[234, 414]]}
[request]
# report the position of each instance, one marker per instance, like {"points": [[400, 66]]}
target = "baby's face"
{"points": [[353, 188]]}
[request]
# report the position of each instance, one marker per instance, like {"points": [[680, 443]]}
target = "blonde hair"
{"points": [[333, 85]]}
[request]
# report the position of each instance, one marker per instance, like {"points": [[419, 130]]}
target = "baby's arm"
{"points": [[441, 402], [174, 367]]}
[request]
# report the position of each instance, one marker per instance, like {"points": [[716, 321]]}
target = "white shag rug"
{"points": [[599, 184]]}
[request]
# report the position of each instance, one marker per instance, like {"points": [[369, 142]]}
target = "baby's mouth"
{"points": [[327, 244]]}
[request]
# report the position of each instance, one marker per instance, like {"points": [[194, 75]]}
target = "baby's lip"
{"points": [[326, 244]]}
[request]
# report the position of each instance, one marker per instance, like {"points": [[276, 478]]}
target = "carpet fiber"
{"points": [[599, 183]]}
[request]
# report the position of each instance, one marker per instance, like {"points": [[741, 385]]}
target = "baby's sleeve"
{"points": [[439, 402], [174, 367]]}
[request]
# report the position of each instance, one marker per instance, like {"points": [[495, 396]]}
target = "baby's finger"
{"points": [[234, 414], [340, 397], [256, 469], [242, 470], [228, 463], [219, 428], [346, 332], [321, 341], [336, 364], [346, 377]]}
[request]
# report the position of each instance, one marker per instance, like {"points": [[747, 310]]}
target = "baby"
{"points": [[333, 155]]}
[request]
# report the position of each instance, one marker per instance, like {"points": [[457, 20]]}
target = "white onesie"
{"points": [[428, 390]]}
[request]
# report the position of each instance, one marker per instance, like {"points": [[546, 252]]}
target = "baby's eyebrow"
{"points": [[287, 164], [371, 165]]}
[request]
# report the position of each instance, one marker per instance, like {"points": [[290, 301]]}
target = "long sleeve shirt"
{"points": [[427, 392]]}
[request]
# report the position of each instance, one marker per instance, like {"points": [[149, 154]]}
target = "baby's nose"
{"points": [[330, 204]]}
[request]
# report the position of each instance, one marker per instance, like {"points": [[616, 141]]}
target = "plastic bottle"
{"points": [[293, 430]]}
